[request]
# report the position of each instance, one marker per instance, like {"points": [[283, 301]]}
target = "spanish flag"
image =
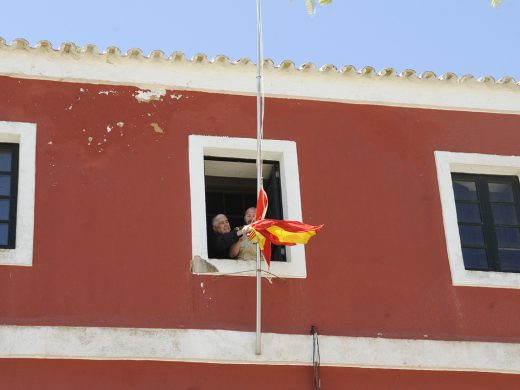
{"points": [[267, 231], [261, 204]]}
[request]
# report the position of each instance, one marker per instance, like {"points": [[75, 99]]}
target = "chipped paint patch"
{"points": [[50, 142], [120, 124], [199, 265], [147, 96], [109, 92], [90, 139], [173, 96], [109, 128], [157, 128]]}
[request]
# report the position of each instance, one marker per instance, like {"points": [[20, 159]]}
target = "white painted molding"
{"points": [[282, 151], [232, 347], [224, 77], [25, 135], [448, 162]]}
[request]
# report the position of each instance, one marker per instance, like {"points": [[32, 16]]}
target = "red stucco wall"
{"points": [[112, 220], [116, 375]]}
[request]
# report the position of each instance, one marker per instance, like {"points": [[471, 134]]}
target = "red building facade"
{"points": [[103, 295]]}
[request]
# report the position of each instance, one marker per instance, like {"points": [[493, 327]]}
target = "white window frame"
{"points": [[486, 164], [282, 151], [23, 134]]}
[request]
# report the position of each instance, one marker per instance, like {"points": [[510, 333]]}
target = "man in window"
{"points": [[223, 237]]}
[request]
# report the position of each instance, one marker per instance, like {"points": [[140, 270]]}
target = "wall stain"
{"points": [[157, 128]]}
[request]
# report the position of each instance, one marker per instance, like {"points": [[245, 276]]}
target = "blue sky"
{"points": [[461, 36]]}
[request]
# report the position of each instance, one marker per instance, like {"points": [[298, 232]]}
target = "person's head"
{"points": [[220, 224], [250, 215]]}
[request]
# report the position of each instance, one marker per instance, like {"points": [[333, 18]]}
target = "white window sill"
{"points": [[248, 267]]}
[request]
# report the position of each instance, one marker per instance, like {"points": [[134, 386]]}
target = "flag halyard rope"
{"points": [[259, 182]]}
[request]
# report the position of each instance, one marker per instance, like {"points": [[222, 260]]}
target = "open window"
{"points": [[223, 180], [230, 187]]}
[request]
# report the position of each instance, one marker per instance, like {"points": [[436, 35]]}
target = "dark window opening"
{"points": [[488, 215], [8, 194], [230, 185]]}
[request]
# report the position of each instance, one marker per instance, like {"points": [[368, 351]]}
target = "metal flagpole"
{"points": [[259, 136]]}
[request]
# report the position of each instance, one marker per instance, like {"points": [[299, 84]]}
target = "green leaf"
{"points": [[311, 6]]}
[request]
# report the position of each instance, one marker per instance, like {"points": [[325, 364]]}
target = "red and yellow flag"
{"points": [[261, 205], [278, 232]]}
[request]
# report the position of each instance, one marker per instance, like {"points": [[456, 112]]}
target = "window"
{"points": [[488, 217], [17, 177], [231, 160], [8, 194], [480, 200]]}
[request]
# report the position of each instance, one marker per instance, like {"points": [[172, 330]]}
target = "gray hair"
{"points": [[214, 219]]}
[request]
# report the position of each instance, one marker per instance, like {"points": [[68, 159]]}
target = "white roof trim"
{"points": [[74, 64]]}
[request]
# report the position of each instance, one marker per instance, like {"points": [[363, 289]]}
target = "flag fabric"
{"points": [[279, 232], [285, 232], [261, 204], [263, 243]]}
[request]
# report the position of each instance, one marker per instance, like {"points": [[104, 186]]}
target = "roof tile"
{"points": [[177, 56]]}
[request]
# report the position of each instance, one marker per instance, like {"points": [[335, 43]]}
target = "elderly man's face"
{"points": [[221, 224], [250, 215]]}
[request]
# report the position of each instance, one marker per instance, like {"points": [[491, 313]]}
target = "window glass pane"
{"points": [[508, 237], [509, 260], [504, 214], [475, 258], [5, 160], [468, 212], [471, 235], [5, 185], [465, 190], [500, 192], [4, 233], [4, 209]]}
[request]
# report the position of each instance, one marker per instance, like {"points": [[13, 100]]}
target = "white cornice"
{"points": [[233, 347], [73, 64]]}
